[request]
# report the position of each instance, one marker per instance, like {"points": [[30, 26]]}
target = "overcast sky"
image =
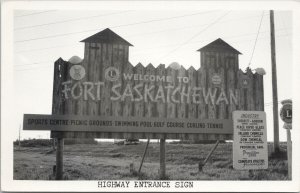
{"points": [[41, 37]]}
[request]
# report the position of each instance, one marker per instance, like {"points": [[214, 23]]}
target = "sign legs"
{"points": [[59, 159], [289, 153], [145, 151], [162, 170], [208, 156]]}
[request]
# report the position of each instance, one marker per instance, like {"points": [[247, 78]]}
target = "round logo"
{"points": [[77, 72], [216, 79], [112, 74], [286, 113]]}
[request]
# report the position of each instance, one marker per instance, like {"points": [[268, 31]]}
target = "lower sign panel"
{"points": [[250, 148], [125, 124]]}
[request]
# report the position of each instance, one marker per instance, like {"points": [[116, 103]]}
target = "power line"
{"points": [[133, 35], [117, 26], [36, 13], [262, 16], [50, 65], [69, 20], [227, 37], [35, 63], [68, 45], [208, 26]]}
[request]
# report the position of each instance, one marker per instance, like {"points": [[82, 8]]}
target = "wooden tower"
{"points": [[102, 50], [220, 63], [219, 54]]}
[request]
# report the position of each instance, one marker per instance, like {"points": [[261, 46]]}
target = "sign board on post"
{"points": [[286, 116], [250, 148]]}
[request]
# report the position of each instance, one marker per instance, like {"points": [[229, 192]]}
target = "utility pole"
{"points": [[274, 84]]}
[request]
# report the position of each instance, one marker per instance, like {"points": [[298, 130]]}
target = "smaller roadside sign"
{"points": [[286, 111], [250, 148]]}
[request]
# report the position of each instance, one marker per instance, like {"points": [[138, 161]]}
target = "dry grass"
{"points": [[111, 162]]}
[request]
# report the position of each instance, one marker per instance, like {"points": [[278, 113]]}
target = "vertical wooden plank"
{"points": [[171, 106], [161, 99], [231, 85], [128, 101], [138, 109], [150, 85], [105, 95], [250, 93], [181, 106], [211, 100], [98, 76], [86, 61], [241, 90], [60, 75], [57, 80], [222, 114], [260, 92], [202, 112], [117, 63], [68, 108], [92, 77], [192, 107]]}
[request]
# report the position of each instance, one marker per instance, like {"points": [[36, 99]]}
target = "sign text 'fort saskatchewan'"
{"points": [[145, 90]]}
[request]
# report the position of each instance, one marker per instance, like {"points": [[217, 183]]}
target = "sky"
{"points": [[43, 36]]}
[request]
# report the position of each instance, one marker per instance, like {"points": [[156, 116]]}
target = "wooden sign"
{"points": [[105, 84], [250, 147], [128, 124]]}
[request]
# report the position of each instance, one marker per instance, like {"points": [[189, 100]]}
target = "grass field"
{"points": [[108, 161]]}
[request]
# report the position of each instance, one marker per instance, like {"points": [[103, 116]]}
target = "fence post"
{"points": [[162, 170], [59, 159]]}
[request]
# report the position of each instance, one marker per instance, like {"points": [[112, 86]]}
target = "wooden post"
{"points": [[59, 159], [274, 85], [144, 155], [162, 170], [289, 153], [208, 156]]}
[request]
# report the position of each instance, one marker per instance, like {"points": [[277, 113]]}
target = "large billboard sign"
{"points": [[106, 85]]}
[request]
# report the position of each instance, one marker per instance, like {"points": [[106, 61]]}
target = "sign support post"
{"points": [[59, 159], [145, 151], [162, 170], [201, 164], [289, 153], [286, 116]]}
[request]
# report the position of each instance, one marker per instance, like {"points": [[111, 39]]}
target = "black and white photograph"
{"points": [[149, 96]]}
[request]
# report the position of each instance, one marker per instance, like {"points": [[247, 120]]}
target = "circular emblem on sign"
{"points": [[77, 72], [216, 79], [286, 113], [112, 74]]}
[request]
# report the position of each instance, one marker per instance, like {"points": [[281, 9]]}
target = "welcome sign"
{"points": [[169, 93], [143, 101]]}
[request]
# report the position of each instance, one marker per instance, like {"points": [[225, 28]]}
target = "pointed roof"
{"points": [[219, 45], [106, 36]]}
